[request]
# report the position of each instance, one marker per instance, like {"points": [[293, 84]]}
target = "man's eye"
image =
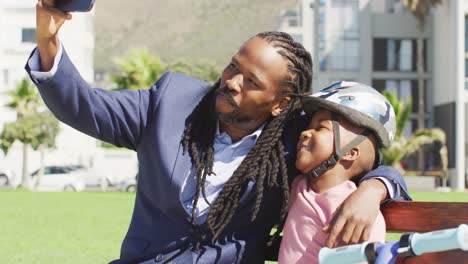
{"points": [[254, 83], [232, 66]]}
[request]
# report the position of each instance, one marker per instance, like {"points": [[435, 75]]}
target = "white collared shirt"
{"points": [[227, 157]]}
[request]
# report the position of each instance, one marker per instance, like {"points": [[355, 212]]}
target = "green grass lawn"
{"points": [[80, 227], [440, 196], [62, 227]]}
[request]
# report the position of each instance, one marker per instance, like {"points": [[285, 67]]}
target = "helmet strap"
{"points": [[338, 153], [378, 158], [320, 169]]}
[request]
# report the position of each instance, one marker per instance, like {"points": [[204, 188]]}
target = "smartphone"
{"points": [[74, 5]]}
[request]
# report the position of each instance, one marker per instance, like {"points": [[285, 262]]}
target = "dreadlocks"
{"points": [[265, 163]]}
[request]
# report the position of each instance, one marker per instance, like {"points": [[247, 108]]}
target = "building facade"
{"points": [[17, 40], [374, 42]]}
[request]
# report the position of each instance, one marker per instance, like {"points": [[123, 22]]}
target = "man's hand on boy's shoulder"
{"points": [[354, 219]]}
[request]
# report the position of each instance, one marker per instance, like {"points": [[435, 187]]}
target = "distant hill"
{"points": [[192, 29]]}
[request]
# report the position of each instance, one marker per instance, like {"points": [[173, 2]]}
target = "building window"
{"points": [[466, 35], [395, 6], [293, 17], [99, 76], [297, 38], [28, 35], [466, 67], [6, 77], [293, 22], [397, 55], [339, 35]]}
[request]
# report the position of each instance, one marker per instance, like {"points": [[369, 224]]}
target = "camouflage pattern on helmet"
{"points": [[360, 104]]}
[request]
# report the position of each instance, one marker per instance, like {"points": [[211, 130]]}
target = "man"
{"points": [[213, 177]]}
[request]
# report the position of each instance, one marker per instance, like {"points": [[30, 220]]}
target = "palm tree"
{"points": [[200, 69], [38, 130], [402, 112], [138, 70], [25, 100], [420, 10], [401, 146]]}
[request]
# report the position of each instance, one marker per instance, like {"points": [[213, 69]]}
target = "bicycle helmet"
{"points": [[362, 106]]}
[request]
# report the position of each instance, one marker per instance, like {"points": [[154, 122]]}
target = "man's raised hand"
{"points": [[48, 22], [49, 19]]}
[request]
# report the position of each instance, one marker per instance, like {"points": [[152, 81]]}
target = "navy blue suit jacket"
{"points": [[151, 122]]}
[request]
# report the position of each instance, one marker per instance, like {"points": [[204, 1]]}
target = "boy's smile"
{"points": [[316, 143]]}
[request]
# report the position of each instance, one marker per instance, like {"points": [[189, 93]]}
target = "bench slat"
{"points": [[424, 216]]}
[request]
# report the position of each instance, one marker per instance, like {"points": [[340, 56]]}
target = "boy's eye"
{"points": [[321, 128]]}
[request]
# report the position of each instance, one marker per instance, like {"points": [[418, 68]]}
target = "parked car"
{"points": [[7, 177], [60, 178], [94, 178], [129, 184]]}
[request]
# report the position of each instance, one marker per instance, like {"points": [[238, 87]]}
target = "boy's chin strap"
{"points": [[335, 157], [320, 169]]}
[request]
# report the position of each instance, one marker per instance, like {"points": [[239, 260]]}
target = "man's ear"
{"points": [[351, 155], [279, 107]]}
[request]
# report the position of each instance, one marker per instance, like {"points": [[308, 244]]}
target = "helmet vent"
{"points": [[347, 97]]}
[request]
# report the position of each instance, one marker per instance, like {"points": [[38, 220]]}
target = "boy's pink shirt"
{"points": [[308, 214]]}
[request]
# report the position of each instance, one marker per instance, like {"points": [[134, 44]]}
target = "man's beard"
{"points": [[234, 117]]}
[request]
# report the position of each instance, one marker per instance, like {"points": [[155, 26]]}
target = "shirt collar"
{"points": [[223, 137]]}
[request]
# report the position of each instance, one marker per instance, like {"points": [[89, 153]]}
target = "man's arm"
{"points": [[353, 221], [394, 182], [115, 117]]}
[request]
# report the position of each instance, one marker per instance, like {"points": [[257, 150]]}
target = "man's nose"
{"points": [[235, 83]]}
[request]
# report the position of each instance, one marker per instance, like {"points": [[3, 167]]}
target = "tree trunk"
{"points": [[421, 89], [41, 169], [25, 179]]}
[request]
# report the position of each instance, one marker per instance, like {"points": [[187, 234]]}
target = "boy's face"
{"points": [[315, 144]]}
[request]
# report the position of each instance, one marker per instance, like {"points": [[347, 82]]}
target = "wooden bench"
{"points": [[418, 217], [425, 217]]}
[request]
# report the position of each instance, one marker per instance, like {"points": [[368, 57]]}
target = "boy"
{"points": [[350, 123]]}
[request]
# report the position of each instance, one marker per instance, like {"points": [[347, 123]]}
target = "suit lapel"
{"points": [[182, 166]]}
